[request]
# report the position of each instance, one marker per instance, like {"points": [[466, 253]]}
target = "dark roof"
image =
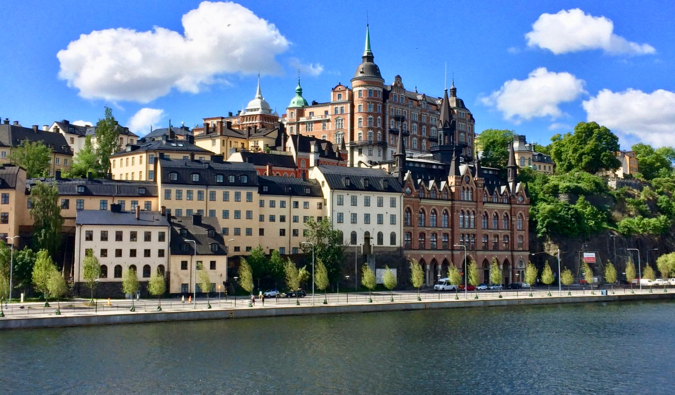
{"points": [[288, 186], [8, 176], [183, 228], [85, 187], [13, 135], [213, 132], [158, 133], [326, 149], [337, 176], [207, 170], [88, 130], [124, 218], [165, 145], [264, 159]]}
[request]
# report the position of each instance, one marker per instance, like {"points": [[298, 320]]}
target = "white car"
{"points": [[659, 282], [671, 281], [497, 287], [443, 284], [525, 285], [482, 287]]}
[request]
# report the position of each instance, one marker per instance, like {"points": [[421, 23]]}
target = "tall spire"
{"points": [[512, 169], [453, 90], [368, 69], [400, 158], [445, 122], [367, 50], [258, 92]]}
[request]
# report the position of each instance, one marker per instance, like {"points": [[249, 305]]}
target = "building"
{"points": [[121, 240], [13, 208], [629, 164], [76, 135], [172, 133], [527, 156], [13, 135], [211, 254]]}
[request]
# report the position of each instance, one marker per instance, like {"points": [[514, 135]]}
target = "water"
{"points": [[615, 348]]}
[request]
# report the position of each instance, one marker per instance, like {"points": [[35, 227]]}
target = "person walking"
{"points": [[253, 300], [262, 298]]}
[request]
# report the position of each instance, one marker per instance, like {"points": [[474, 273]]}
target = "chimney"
{"points": [[16, 123], [196, 219], [191, 139], [229, 123], [206, 128], [168, 215], [115, 208], [248, 131], [164, 138], [90, 176], [65, 121], [269, 169], [35, 129], [192, 156], [57, 175], [217, 159], [138, 212], [45, 128], [219, 127], [6, 121], [162, 211], [229, 114]]}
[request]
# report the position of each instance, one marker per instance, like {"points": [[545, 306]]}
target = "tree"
{"points": [[591, 149], [567, 278], [204, 283], [245, 276], [654, 163], [473, 276], [33, 156], [547, 277], [258, 262], [610, 274], [666, 263], [91, 271], [328, 246], [588, 274], [390, 281], [493, 145], [4, 270], [24, 261], [276, 266], [630, 273], [416, 276], [368, 281], [43, 269], [496, 275], [85, 161], [4, 290], [292, 278], [107, 139], [303, 275], [321, 278], [454, 277], [130, 285], [57, 287], [649, 274], [157, 287], [531, 275], [47, 219]]}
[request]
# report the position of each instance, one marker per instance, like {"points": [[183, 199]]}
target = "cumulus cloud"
{"points": [[124, 64], [650, 117], [306, 69], [145, 119], [82, 123], [558, 126], [537, 96], [574, 30]]}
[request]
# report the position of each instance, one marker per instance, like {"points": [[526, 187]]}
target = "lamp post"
{"points": [[11, 266], [236, 279], [194, 273], [312, 244], [465, 273], [439, 288], [639, 268], [347, 290]]}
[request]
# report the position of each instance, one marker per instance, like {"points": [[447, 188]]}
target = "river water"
{"points": [[613, 348]]}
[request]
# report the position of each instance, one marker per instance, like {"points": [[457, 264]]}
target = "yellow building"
{"points": [[13, 135], [527, 156], [13, 208], [76, 135]]}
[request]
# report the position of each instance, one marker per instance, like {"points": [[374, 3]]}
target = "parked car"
{"points": [[482, 287], [272, 293], [514, 286], [671, 281], [497, 287], [659, 282], [443, 284], [294, 294], [468, 287], [525, 285]]}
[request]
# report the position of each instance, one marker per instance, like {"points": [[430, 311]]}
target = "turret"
{"points": [[400, 158]]}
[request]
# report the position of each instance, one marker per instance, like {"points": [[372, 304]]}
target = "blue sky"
{"points": [[535, 67]]}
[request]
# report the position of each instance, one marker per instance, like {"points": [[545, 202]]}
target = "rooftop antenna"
{"points": [[446, 75]]}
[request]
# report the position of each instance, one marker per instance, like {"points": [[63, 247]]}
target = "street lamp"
{"points": [[194, 273], [11, 266], [236, 279], [312, 244], [465, 273], [639, 268], [347, 290]]}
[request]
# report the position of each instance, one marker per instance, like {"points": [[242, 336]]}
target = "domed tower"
{"points": [[368, 141], [258, 114]]}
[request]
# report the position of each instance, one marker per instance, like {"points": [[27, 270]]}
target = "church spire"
{"points": [[367, 51], [512, 169], [400, 158], [258, 92]]}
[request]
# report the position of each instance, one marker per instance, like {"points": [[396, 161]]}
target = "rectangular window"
{"points": [[134, 204], [212, 196], [104, 253], [392, 219], [282, 204], [79, 204], [261, 218], [380, 201], [160, 253], [88, 235], [167, 194], [151, 175], [296, 218], [161, 236], [282, 218], [146, 253], [296, 233], [354, 218], [179, 194], [261, 203], [133, 235], [226, 214], [184, 266], [226, 196], [119, 235], [261, 231], [380, 219], [179, 212], [189, 194], [104, 235], [226, 231], [122, 204], [103, 204], [212, 213], [200, 196], [237, 214], [237, 231], [132, 253], [305, 219], [65, 204], [366, 218], [212, 265], [273, 218], [249, 196], [305, 205], [296, 204], [366, 201], [237, 196], [118, 253], [354, 200], [147, 236], [340, 200], [189, 212], [273, 203], [340, 218], [249, 214], [282, 232], [392, 202]]}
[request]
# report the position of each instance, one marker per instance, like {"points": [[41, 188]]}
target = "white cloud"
{"points": [[123, 64], [83, 123], [573, 30], [537, 96], [558, 126], [306, 69], [145, 119], [650, 117]]}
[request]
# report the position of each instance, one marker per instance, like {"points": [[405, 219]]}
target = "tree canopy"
{"points": [[328, 246], [91, 271], [44, 268], [46, 214], [654, 163], [33, 156], [245, 276], [321, 276], [493, 145], [85, 161], [590, 148], [416, 274], [107, 139]]}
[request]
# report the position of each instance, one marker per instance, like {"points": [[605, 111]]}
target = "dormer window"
{"points": [[265, 188], [214, 247], [80, 189], [173, 176], [348, 182], [185, 247], [141, 191], [195, 177], [385, 184], [243, 179], [307, 191], [183, 232], [211, 233], [230, 179], [219, 178]]}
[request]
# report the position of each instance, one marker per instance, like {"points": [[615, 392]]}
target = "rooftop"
{"points": [[124, 218]]}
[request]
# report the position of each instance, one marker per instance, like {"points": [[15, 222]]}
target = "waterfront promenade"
{"points": [[79, 313]]}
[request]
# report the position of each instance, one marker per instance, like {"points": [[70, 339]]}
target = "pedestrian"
{"points": [[262, 298], [182, 299], [253, 300]]}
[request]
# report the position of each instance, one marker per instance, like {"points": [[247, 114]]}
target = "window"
{"points": [[484, 221], [282, 232], [407, 240], [495, 243], [282, 218], [237, 231], [519, 223], [340, 218], [352, 238], [173, 176], [183, 265], [88, 235], [421, 241], [179, 212], [505, 221], [200, 196], [272, 218], [380, 219], [65, 204], [146, 253], [432, 241], [520, 242], [104, 235], [305, 205], [432, 218], [249, 214], [226, 196], [179, 194], [132, 253], [219, 178], [495, 221], [421, 220], [161, 236], [212, 213], [340, 200], [118, 253], [354, 200], [380, 201], [119, 235], [195, 177], [237, 214], [506, 242], [366, 218], [261, 218], [103, 204], [167, 194], [79, 204], [444, 219], [117, 272], [392, 202], [366, 201], [189, 194], [237, 196], [354, 218], [392, 219], [249, 196], [133, 235], [226, 231], [147, 236]]}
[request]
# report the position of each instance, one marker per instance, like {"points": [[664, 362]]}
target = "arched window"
{"points": [[471, 194], [424, 145], [407, 218], [432, 218], [379, 122], [360, 136], [505, 221], [117, 272], [462, 194], [446, 241], [494, 197], [433, 194], [104, 271], [520, 242], [445, 195], [424, 130], [359, 122], [414, 128], [391, 123], [370, 121], [433, 240], [461, 219], [495, 221], [505, 199], [380, 238], [370, 136], [485, 242], [379, 135], [495, 243], [484, 222], [366, 236], [421, 218], [414, 143], [161, 270], [407, 240], [392, 239], [133, 267], [422, 242], [506, 242], [472, 224], [146, 271], [444, 220], [352, 238], [520, 222]]}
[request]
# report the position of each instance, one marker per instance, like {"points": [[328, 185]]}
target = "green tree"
{"points": [[455, 277], [321, 279], [610, 274], [547, 277], [591, 149], [33, 156], [57, 287], [390, 281], [416, 276], [473, 276], [368, 281], [654, 163], [630, 273], [259, 264], [4, 269], [328, 246], [292, 278], [303, 275], [4, 290], [47, 219], [496, 274], [85, 161], [24, 260], [107, 139], [130, 285], [245, 276], [204, 283], [649, 274], [588, 274], [567, 278], [531, 275], [493, 145], [666, 264], [276, 266], [43, 269], [157, 287], [91, 271]]}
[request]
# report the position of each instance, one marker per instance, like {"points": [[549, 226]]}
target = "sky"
{"points": [[535, 67]]}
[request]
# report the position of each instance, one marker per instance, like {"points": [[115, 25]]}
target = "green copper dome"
{"points": [[298, 101]]}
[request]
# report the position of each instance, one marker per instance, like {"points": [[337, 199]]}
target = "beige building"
{"points": [[629, 164], [13, 135], [211, 254], [76, 135], [527, 156], [13, 207]]}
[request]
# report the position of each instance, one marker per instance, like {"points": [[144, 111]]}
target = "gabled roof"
{"points": [[360, 179], [9, 174], [183, 228], [208, 172], [304, 144], [124, 218], [13, 135], [288, 186]]}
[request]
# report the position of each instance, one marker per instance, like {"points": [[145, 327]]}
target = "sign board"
{"points": [[379, 275], [589, 257]]}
